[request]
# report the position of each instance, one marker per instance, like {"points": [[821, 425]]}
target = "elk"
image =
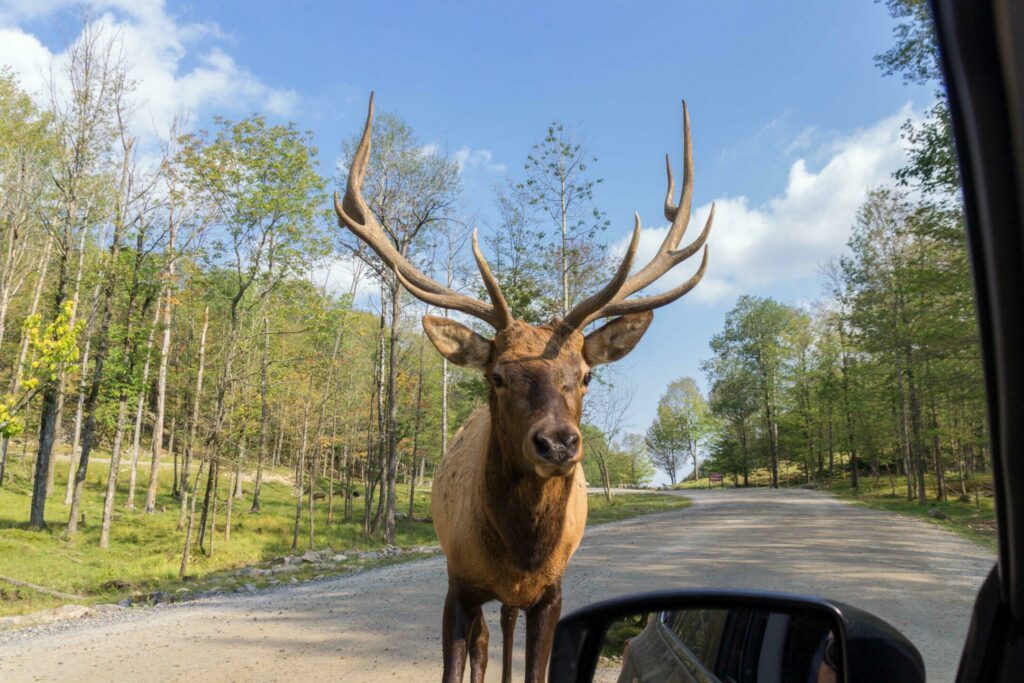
{"points": [[509, 499]]}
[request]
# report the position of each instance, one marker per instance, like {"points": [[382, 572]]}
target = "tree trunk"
{"points": [[191, 521], [48, 416], [161, 401], [115, 464], [140, 404], [261, 454], [44, 264], [392, 452], [300, 473], [416, 436], [190, 435]]}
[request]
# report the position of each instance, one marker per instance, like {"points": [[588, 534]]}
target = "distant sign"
{"points": [[715, 477]]}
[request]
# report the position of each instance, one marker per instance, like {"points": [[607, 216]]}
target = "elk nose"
{"points": [[557, 446]]}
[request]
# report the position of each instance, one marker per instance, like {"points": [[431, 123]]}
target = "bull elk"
{"points": [[509, 499]]}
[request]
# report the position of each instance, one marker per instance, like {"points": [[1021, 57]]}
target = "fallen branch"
{"points": [[42, 589]]}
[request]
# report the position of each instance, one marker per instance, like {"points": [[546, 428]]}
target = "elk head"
{"points": [[538, 373]]}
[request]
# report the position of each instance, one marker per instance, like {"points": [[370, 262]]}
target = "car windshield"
{"points": [[352, 328]]}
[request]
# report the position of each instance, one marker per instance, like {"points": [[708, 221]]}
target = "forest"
{"points": [[173, 341], [881, 375]]}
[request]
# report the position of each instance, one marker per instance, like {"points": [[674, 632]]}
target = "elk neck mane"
{"points": [[525, 514]]}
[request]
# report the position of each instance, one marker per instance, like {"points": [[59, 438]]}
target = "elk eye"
{"points": [[586, 379], [498, 380]]}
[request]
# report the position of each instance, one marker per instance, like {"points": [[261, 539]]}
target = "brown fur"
{"points": [[505, 530], [507, 516]]}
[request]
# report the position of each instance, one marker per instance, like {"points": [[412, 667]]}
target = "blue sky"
{"points": [[792, 122]]}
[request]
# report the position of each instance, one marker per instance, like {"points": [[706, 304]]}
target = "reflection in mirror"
{"points": [[727, 645]]}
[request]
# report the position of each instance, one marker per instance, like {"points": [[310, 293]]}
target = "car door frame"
{"points": [[984, 72]]}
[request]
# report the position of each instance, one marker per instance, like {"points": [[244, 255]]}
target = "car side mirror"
{"points": [[730, 636]]}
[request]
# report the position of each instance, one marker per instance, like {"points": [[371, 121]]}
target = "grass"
{"points": [[627, 505], [145, 550]]}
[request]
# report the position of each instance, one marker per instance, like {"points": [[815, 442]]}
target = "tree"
{"points": [[932, 163], [518, 247], [640, 468], [86, 125], [558, 185], [757, 334], [261, 189], [733, 401], [411, 192], [685, 413], [606, 411]]}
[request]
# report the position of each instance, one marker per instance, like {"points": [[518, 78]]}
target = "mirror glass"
{"points": [[728, 645]]}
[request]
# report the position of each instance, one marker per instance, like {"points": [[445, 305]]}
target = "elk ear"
{"points": [[613, 340], [458, 343]]}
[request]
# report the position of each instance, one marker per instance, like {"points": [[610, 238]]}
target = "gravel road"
{"points": [[384, 624]]}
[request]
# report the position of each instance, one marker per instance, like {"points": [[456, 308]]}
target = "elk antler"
{"points": [[612, 299], [354, 214]]}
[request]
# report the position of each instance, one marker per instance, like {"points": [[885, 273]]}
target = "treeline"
{"points": [[166, 302], [883, 375], [166, 319]]}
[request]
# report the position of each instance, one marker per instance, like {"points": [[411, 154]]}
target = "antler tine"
{"points": [[456, 302], [667, 257], [649, 303], [503, 313], [678, 214], [354, 214], [590, 308]]}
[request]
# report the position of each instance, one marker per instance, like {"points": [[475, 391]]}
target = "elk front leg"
{"points": [[509, 615], [460, 631], [478, 638], [541, 620]]}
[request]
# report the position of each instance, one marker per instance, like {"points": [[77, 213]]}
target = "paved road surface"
{"points": [[384, 624]]}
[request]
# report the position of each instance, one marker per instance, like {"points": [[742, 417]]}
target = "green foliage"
{"points": [[558, 184], [261, 184], [915, 57], [682, 427], [55, 347], [145, 549]]}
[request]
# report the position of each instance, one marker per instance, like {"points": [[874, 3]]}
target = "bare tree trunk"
{"points": [[333, 464], [140, 404], [312, 488], [231, 497], [115, 465], [236, 491], [191, 520], [392, 459], [213, 511], [161, 393], [211, 478], [416, 436], [261, 454], [300, 473], [190, 435]]}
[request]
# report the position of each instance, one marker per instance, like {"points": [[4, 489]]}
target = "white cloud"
{"points": [[155, 45], [789, 236], [477, 158]]}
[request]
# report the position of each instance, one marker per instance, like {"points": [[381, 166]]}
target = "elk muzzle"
{"points": [[554, 447]]}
